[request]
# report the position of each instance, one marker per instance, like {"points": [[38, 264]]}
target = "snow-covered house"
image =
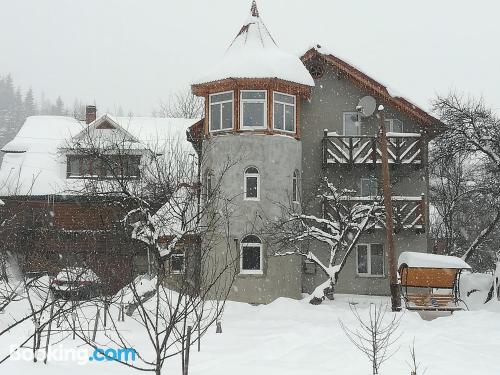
{"points": [[53, 219], [287, 121]]}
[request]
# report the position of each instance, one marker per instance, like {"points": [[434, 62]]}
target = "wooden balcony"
{"points": [[409, 213], [404, 148]]}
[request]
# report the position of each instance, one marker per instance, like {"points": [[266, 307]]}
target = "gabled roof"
{"points": [[376, 88], [34, 163], [255, 54]]}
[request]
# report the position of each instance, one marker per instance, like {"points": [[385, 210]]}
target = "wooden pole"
{"points": [[386, 183]]}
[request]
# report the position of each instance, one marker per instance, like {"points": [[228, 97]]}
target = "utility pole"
{"points": [[386, 183]]}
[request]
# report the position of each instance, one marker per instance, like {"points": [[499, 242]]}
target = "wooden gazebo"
{"points": [[430, 282]]}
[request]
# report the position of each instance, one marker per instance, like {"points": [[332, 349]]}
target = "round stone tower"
{"points": [[252, 137]]}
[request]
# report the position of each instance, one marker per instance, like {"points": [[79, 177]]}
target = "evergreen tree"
{"points": [[30, 108]]}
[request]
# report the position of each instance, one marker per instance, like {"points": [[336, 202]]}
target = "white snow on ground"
{"points": [[293, 337]]}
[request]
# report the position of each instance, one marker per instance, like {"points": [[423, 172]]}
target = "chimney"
{"points": [[90, 113]]}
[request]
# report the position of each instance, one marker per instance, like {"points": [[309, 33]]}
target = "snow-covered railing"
{"points": [[409, 212], [403, 148]]}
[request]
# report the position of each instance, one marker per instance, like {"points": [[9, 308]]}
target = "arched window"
{"points": [[252, 184], [208, 184], [251, 255], [295, 186]]}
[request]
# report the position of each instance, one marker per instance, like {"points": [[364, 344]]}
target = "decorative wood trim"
{"points": [[252, 84], [376, 88]]}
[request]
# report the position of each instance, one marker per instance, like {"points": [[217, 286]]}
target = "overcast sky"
{"points": [[137, 52]]}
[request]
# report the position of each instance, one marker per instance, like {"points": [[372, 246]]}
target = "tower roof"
{"points": [[255, 54]]}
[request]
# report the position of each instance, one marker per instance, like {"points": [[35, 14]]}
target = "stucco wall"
{"points": [[332, 96], [276, 157]]}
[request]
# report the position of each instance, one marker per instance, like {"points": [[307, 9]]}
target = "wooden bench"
{"points": [[431, 302]]}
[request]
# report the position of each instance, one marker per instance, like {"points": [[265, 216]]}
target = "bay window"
{"points": [[284, 112], [221, 111], [253, 109]]}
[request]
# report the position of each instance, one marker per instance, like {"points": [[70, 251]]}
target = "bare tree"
{"points": [[157, 188], [342, 222], [414, 364], [465, 179], [376, 334], [182, 104]]}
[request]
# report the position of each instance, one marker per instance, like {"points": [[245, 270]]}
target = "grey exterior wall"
{"points": [[331, 97], [276, 157]]}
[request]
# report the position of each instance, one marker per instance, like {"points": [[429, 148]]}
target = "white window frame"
{"points": [[295, 187], [343, 123], [369, 260], [242, 101], [220, 103], [245, 175], [260, 271], [391, 125], [361, 187], [178, 272], [286, 104]]}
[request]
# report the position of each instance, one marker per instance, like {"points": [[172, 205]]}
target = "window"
{"points": [[351, 123], [253, 109], [284, 112], [370, 259], [252, 184], [295, 186], [369, 187], [104, 166], [394, 125], [208, 184], [251, 255], [221, 111], [177, 264]]}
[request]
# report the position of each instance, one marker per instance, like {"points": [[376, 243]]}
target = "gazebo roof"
{"points": [[424, 260], [255, 54]]}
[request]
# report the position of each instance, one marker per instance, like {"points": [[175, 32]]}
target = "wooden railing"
{"points": [[409, 213], [365, 150]]}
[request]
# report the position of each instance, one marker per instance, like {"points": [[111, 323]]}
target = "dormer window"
{"points": [[105, 167], [253, 111], [221, 111], [284, 112]]}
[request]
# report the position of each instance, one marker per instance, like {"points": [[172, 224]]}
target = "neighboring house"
{"points": [[285, 122], [50, 219]]}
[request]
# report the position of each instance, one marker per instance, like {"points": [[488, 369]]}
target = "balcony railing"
{"points": [[409, 213], [403, 148]]}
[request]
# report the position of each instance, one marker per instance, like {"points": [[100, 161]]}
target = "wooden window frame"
{"points": [[264, 103], [284, 116], [210, 130]]}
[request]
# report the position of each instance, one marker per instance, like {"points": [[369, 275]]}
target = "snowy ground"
{"points": [[293, 337]]}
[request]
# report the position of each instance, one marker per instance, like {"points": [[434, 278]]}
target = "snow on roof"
{"points": [[424, 260], [34, 163], [255, 54]]}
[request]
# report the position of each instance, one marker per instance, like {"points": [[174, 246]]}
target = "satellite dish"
{"points": [[367, 105]]}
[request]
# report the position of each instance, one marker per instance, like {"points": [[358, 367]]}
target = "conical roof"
{"points": [[255, 54]]}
